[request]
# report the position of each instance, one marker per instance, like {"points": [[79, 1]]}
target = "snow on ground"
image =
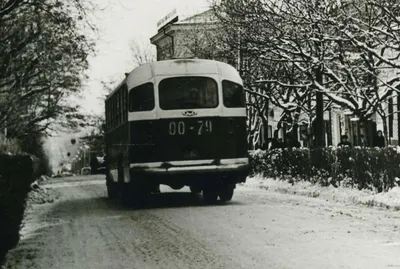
{"points": [[389, 200], [257, 229], [42, 195]]}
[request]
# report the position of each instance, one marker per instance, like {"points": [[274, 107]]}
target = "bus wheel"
{"points": [[126, 194], [195, 190], [210, 195], [112, 189], [226, 192]]}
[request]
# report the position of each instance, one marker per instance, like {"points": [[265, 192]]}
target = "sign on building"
{"points": [[172, 16]]}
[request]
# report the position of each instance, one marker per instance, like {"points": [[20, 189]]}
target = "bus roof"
{"points": [[173, 67], [185, 66]]}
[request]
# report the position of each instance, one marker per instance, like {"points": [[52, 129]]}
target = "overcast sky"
{"points": [[120, 22]]}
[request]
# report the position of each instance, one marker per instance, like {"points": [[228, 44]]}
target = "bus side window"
{"points": [[107, 116], [233, 94], [124, 104], [141, 98]]}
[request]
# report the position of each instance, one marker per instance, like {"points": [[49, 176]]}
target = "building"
{"points": [[187, 38]]}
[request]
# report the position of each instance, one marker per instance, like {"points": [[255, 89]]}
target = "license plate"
{"points": [[195, 127]]}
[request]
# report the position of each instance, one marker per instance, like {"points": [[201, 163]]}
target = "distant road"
{"points": [[257, 229]]}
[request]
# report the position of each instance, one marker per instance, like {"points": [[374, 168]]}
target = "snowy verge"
{"points": [[388, 200], [41, 195]]}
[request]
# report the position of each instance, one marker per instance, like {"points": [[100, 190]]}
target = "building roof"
{"points": [[203, 17]]}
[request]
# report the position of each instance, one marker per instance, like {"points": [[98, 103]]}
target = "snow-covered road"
{"points": [[257, 229]]}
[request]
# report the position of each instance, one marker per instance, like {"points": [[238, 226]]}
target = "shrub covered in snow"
{"points": [[362, 168]]}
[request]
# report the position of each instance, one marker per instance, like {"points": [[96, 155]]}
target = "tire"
{"points": [[112, 190], [126, 194], [112, 187], [226, 193], [195, 190], [210, 195]]}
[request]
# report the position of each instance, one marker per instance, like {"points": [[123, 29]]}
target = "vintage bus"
{"points": [[178, 123]]}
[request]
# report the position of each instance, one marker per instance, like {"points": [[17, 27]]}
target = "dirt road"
{"points": [[258, 229]]}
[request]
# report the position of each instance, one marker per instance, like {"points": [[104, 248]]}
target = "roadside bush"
{"points": [[362, 168], [16, 176], [34, 145], [9, 146]]}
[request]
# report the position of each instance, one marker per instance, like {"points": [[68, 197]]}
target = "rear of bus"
{"points": [[193, 131]]}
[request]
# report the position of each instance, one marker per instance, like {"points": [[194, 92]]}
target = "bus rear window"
{"points": [[141, 98], [233, 94], [188, 93]]}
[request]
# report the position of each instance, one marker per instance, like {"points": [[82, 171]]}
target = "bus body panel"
{"points": [[117, 148], [187, 139]]}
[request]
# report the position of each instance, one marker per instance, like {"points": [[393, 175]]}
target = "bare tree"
{"points": [[337, 49], [373, 28], [142, 53], [280, 38]]}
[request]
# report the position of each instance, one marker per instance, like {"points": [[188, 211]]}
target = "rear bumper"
{"points": [[240, 165]]}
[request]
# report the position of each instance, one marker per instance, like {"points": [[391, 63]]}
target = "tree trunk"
{"points": [[250, 125], [398, 117], [264, 121], [295, 124], [330, 140], [310, 129], [385, 130], [256, 134], [319, 111]]}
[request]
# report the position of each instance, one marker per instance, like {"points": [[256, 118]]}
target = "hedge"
{"points": [[362, 168], [16, 176]]}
